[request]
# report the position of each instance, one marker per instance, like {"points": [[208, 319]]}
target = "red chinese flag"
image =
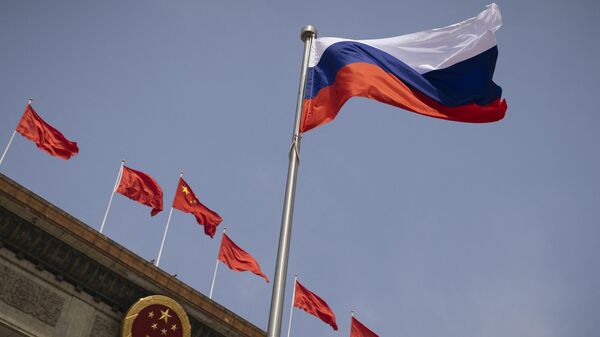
{"points": [[238, 259], [47, 138], [186, 201], [140, 187], [357, 329], [308, 301]]}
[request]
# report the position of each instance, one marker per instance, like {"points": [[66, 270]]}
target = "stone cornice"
{"points": [[54, 240]]}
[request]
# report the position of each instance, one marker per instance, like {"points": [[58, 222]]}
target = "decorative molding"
{"points": [[23, 294], [103, 327], [67, 263]]}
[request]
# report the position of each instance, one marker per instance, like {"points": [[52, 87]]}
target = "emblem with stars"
{"points": [[156, 316], [156, 320]]}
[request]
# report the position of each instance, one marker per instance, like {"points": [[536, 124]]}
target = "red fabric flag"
{"points": [[140, 187], [357, 329], [186, 201], [311, 303], [238, 259], [47, 138]]}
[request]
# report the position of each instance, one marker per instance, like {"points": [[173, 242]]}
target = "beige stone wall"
{"points": [[36, 303]]}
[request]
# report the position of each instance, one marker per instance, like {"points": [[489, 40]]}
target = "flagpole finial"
{"points": [[181, 173], [122, 161], [224, 229], [30, 100], [307, 32]]}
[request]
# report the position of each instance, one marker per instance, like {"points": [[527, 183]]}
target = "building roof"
{"points": [[30, 226]]}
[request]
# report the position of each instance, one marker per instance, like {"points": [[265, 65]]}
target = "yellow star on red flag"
{"points": [[186, 201]]}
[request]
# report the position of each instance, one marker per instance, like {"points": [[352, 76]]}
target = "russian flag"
{"points": [[444, 73]]}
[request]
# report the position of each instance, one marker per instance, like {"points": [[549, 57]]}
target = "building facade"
{"points": [[62, 278]]}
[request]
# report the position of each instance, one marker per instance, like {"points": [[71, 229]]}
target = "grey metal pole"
{"points": [[119, 175], [307, 35], [212, 285], [8, 146], [162, 243], [292, 306]]}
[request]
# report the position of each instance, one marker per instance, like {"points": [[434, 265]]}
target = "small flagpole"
{"points": [[292, 305], [308, 34], [119, 175], [212, 286], [166, 228], [12, 137], [8, 146]]}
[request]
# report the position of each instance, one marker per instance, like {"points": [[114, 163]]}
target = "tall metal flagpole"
{"points": [[212, 285], [12, 137], [292, 305], [166, 228], [307, 35], [112, 194]]}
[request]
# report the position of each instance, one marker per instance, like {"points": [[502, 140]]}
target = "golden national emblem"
{"points": [[155, 316]]}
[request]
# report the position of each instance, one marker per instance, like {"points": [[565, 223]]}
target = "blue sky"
{"points": [[424, 227]]}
